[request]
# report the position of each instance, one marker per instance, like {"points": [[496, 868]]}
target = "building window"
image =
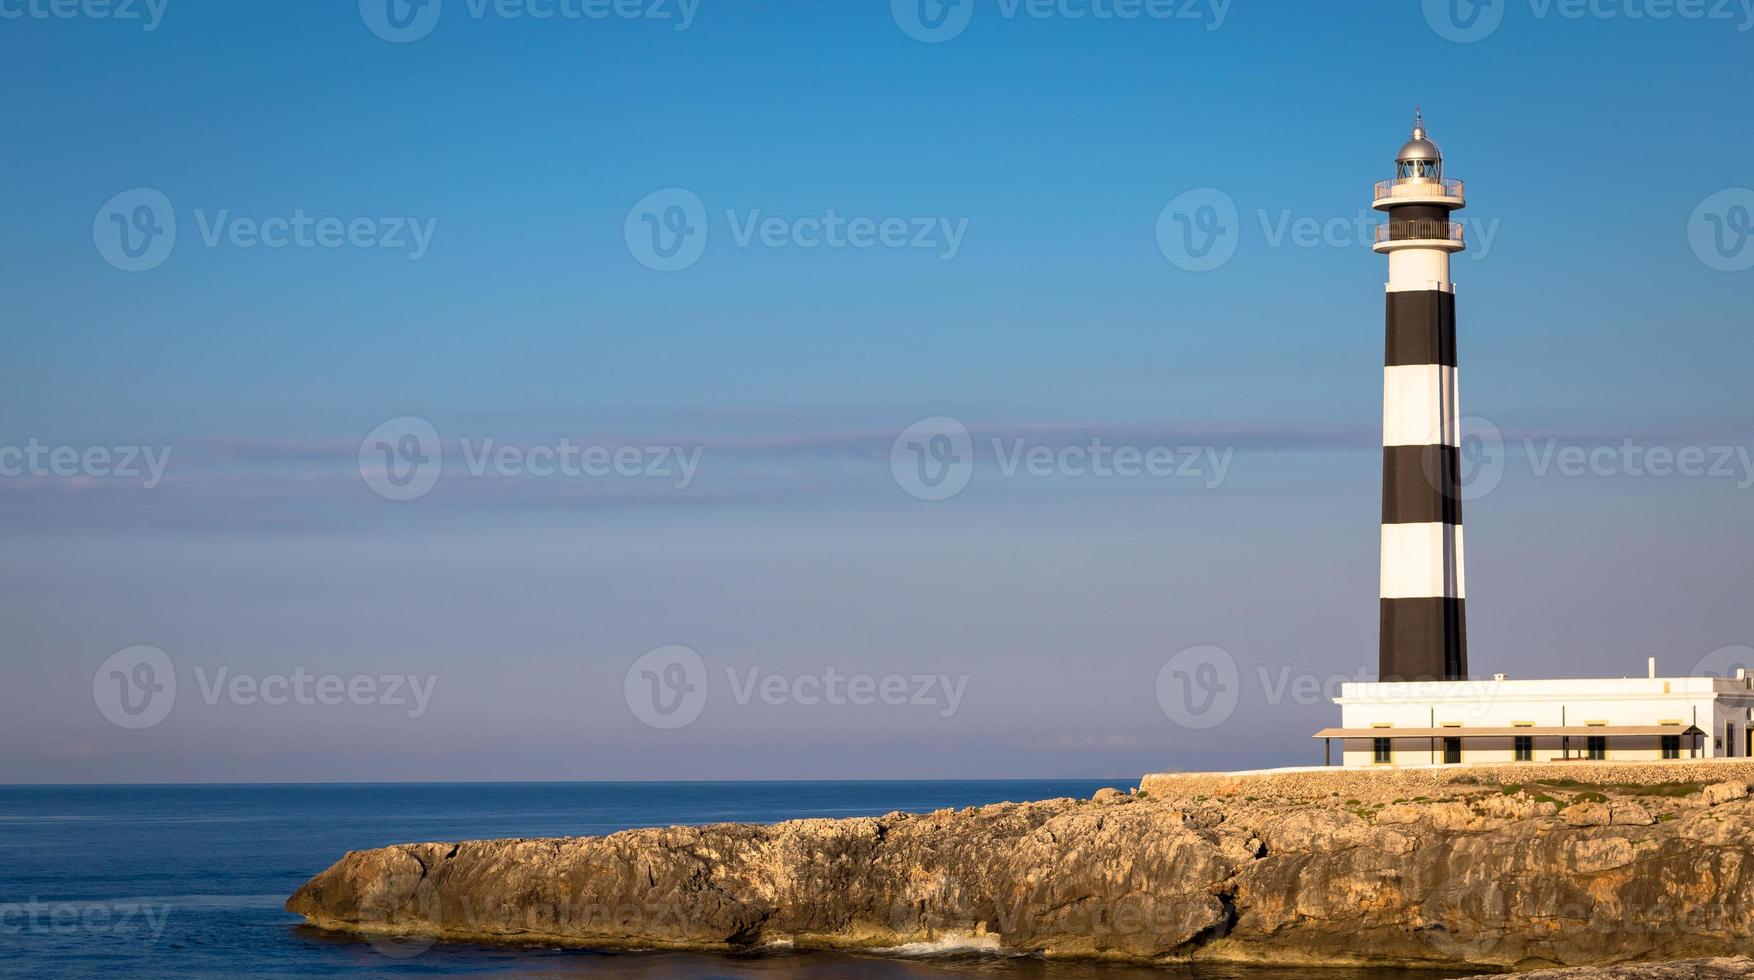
{"points": [[1452, 751], [1525, 748], [1671, 746], [1380, 751], [1598, 747]]}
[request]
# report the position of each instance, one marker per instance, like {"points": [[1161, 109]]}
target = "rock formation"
{"points": [[1715, 969], [1498, 877]]}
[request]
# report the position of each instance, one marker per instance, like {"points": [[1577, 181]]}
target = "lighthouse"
{"points": [[1423, 629], [1448, 719]]}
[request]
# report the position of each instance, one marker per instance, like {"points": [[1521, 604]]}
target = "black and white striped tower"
{"points": [[1424, 633]]}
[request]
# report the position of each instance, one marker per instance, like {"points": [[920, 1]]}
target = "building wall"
{"points": [[1713, 704], [1381, 783]]}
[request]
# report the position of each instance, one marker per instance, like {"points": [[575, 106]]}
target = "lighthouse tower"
{"points": [[1424, 634]]}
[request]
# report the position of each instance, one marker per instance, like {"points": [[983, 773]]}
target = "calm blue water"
{"points": [[188, 881]]}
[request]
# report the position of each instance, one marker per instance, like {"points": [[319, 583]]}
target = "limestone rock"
{"points": [[1717, 969], [1626, 813], [1483, 884], [1725, 792]]}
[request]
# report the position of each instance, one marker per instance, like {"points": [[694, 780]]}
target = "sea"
{"points": [[123, 882]]}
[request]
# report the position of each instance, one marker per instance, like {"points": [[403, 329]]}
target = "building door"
{"points": [[1525, 748], [1598, 747], [1452, 751], [1730, 739], [1671, 746]]}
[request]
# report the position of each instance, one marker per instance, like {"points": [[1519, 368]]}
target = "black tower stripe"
{"points": [[1421, 328], [1421, 485], [1424, 639]]}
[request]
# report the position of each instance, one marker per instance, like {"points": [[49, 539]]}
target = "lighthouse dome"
{"points": [[1419, 159], [1419, 148]]}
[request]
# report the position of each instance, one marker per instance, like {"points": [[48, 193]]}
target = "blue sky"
{"points": [[1597, 149]]}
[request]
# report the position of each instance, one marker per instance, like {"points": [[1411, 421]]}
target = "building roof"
{"points": [[1547, 730], [1420, 147]]}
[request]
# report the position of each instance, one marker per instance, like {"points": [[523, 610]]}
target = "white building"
{"points": [[1419, 723]]}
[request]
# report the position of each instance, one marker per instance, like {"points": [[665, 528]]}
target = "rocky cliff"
{"points": [[1499, 877], [1713, 969]]}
